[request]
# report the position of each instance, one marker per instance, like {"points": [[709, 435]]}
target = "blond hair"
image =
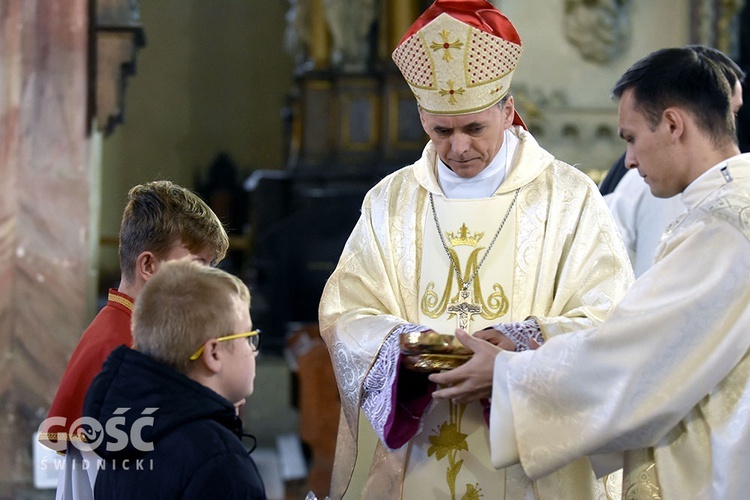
{"points": [[181, 307]]}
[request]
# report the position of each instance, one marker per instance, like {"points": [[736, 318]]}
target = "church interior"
{"points": [[281, 115]]}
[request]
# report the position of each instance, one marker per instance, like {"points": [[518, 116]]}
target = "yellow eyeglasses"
{"points": [[252, 337]]}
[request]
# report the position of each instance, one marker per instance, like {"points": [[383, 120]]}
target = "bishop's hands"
{"points": [[518, 336], [495, 337], [472, 380], [514, 336]]}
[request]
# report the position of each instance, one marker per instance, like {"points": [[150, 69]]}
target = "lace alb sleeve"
{"points": [[520, 332], [379, 390]]}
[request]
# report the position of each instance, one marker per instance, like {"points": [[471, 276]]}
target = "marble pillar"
{"points": [[45, 191]]}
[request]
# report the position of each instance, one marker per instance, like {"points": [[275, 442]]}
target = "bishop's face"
{"points": [[468, 143]]}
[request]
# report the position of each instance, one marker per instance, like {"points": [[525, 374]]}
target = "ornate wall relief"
{"points": [[599, 29]]}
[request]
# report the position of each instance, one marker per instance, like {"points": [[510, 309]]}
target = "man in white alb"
{"points": [[663, 386], [642, 217]]}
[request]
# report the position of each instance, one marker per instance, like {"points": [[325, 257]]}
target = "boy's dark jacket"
{"points": [[195, 434]]}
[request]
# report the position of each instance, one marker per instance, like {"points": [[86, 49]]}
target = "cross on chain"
{"points": [[464, 309]]}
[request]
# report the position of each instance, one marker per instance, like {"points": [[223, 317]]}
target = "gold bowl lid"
{"points": [[416, 343], [430, 363]]}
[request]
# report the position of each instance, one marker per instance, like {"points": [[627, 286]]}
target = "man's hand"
{"points": [[472, 380], [496, 338]]}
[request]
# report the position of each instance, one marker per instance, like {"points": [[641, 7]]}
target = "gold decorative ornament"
{"points": [[462, 305], [436, 351]]}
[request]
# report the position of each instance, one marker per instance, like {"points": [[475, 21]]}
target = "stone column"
{"points": [[45, 167], [401, 15], [320, 42]]}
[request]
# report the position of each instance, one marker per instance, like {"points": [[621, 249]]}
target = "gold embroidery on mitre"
{"points": [[414, 60], [463, 238], [446, 45], [450, 91], [488, 58], [479, 63]]}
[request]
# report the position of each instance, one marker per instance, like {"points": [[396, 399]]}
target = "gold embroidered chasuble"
{"points": [[559, 259], [450, 457]]}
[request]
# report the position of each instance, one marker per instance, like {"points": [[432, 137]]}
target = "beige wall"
{"points": [[212, 77], [551, 68], [549, 62]]}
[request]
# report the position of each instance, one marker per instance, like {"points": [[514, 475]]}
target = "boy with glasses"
{"points": [[161, 222], [193, 359]]}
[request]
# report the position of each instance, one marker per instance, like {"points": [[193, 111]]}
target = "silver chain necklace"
{"points": [[465, 285]]}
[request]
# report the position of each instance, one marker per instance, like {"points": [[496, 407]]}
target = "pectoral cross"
{"points": [[464, 309]]}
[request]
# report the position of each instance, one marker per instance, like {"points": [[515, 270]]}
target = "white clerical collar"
{"points": [[486, 182]]}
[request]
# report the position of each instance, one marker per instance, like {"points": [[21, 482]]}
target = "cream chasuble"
{"points": [[559, 259], [450, 457]]}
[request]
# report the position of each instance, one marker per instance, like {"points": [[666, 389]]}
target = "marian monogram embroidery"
{"points": [[460, 296], [434, 304]]}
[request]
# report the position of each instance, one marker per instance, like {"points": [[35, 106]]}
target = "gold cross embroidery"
{"points": [[451, 92], [498, 89], [446, 45]]}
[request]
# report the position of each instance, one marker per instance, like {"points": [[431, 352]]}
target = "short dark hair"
{"points": [[731, 69], [159, 213], [685, 78]]}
